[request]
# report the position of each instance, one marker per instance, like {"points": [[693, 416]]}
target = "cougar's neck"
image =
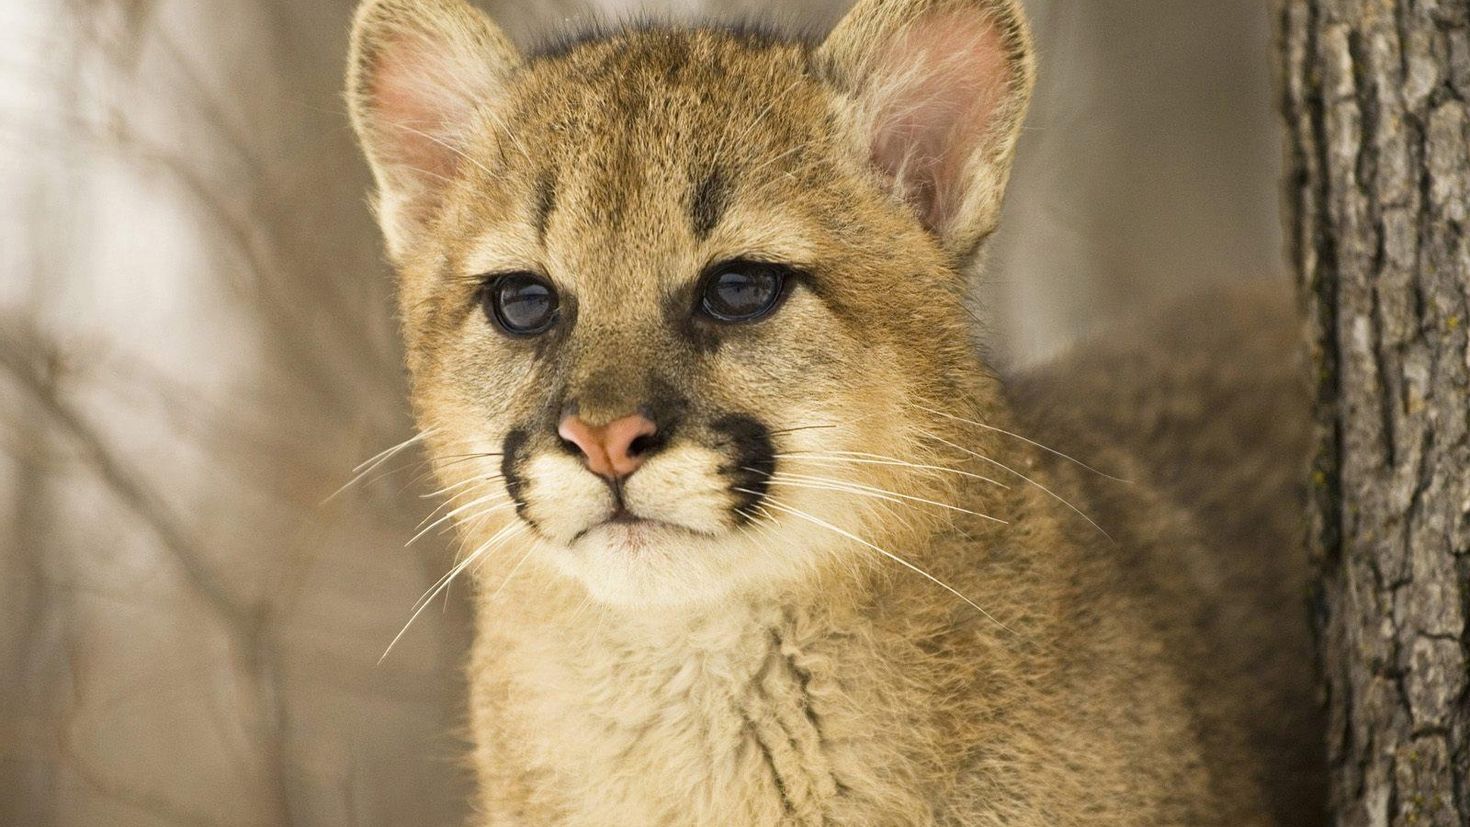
{"points": [[757, 707]]}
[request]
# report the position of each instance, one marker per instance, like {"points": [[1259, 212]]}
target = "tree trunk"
{"points": [[1379, 190]]}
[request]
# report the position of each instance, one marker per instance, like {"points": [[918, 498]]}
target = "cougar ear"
{"points": [[938, 90], [418, 72]]}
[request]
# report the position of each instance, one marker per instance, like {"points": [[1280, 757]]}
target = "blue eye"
{"points": [[743, 291], [520, 304]]}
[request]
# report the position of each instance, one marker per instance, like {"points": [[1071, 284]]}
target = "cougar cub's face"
{"points": [[670, 297]]}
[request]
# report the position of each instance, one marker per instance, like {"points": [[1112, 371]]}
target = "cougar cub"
{"points": [[756, 539]]}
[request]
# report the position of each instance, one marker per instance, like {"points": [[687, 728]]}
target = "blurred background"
{"points": [[197, 348]]}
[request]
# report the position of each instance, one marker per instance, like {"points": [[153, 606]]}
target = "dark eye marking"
{"points": [[752, 461], [743, 291], [545, 202], [520, 304], [707, 205]]}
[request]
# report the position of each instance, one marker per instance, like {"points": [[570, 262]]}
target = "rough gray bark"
{"points": [[1378, 131]]}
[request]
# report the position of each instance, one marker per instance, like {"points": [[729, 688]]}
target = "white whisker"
{"points": [[370, 464], [1032, 442], [901, 517], [855, 487], [513, 570], [388, 452], [858, 458], [456, 459], [461, 484], [1059, 498], [491, 497], [499, 538], [888, 554], [449, 500]]}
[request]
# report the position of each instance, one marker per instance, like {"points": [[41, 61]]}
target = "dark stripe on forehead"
{"points": [[707, 205], [545, 201]]}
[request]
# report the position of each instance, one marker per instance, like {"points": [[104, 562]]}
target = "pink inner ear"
{"points": [[938, 88], [417, 106]]}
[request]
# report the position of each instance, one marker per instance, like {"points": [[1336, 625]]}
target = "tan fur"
{"points": [[705, 670]]}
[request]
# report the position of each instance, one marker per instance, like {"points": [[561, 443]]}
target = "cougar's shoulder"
{"points": [[1201, 407]]}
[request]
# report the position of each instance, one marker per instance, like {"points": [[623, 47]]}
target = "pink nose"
{"points": [[610, 450]]}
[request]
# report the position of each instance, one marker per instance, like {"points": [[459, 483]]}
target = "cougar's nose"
{"points": [[614, 450]]}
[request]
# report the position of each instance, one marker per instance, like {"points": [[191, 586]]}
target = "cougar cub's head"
{"points": [[675, 300]]}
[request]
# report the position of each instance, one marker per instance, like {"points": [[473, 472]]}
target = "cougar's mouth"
{"points": [[629, 533]]}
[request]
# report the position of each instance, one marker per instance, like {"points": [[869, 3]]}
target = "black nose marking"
{"points": [[752, 461], [512, 457]]}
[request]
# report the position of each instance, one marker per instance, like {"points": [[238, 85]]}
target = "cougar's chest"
{"points": [[727, 722]]}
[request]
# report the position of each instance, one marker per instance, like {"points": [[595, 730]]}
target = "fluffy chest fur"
{"points": [[756, 715]]}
